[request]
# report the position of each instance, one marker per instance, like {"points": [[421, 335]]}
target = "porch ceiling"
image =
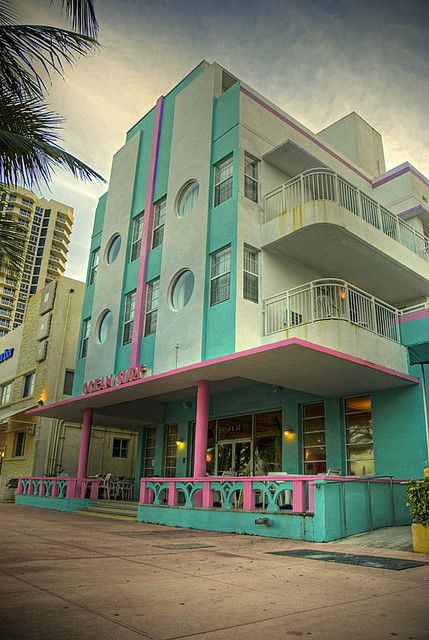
{"points": [[291, 158], [292, 363]]}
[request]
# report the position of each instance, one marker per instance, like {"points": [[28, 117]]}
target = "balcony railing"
{"points": [[330, 300], [324, 184]]}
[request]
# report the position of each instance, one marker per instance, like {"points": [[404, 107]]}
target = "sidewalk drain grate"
{"points": [[376, 562], [184, 546]]}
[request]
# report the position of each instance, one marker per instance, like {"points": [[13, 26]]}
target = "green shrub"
{"points": [[418, 500]]}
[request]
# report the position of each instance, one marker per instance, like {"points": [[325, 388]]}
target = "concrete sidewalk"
{"points": [[68, 576]]}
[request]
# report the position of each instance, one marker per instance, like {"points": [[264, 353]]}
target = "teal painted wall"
{"points": [[68, 505], [400, 447], [222, 227], [79, 374]]}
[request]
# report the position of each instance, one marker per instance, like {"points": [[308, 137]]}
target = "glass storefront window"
{"points": [[235, 428], [170, 453], [313, 428], [359, 438], [149, 452], [268, 443]]}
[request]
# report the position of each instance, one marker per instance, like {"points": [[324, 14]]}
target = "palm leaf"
{"points": [[29, 144], [82, 16], [29, 54], [11, 245]]}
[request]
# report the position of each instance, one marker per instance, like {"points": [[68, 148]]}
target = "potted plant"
{"points": [[418, 501]]}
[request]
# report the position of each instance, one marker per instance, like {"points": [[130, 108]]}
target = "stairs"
{"points": [[115, 509]]}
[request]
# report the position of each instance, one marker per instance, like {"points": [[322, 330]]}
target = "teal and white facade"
{"points": [[254, 292]]}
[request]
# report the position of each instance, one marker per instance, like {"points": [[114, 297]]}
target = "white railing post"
{"points": [[380, 219], [312, 301]]}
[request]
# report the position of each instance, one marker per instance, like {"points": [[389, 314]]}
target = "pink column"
{"points": [[84, 443], [202, 420]]}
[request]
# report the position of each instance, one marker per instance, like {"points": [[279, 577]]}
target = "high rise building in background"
{"points": [[46, 226]]}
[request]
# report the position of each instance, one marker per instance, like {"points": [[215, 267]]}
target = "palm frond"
{"points": [[82, 16], [29, 144], [7, 15], [31, 53], [11, 244]]}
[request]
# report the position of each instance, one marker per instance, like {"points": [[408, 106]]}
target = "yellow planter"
{"points": [[426, 472], [420, 538]]}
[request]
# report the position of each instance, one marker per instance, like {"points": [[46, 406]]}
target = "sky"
{"points": [[316, 59]]}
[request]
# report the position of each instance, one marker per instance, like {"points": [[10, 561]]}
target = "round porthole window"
{"points": [[187, 199], [181, 290], [104, 326], [113, 248]]}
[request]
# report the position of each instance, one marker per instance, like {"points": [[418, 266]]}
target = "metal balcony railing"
{"points": [[329, 299], [324, 184]]}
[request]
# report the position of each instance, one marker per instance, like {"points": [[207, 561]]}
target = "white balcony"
{"points": [[336, 315], [324, 222]]}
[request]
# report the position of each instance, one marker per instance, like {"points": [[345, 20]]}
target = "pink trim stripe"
{"points": [[141, 292], [414, 315], [404, 213], [228, 358], [303, 132]]}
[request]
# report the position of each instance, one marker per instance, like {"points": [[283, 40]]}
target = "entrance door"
{"points": [[235, 457]]}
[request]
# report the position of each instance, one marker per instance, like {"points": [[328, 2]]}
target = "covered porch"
{"points": [[222, 445]]}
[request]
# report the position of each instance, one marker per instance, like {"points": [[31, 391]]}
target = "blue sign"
{"points": [[7, 353]]}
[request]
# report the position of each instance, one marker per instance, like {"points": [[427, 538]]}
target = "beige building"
{"points": [[37, 366], [47, 227]]}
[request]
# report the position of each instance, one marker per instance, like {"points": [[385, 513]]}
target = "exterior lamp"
{"points": [[180, 444], [209, 457], [289, 434], [342, 294]]}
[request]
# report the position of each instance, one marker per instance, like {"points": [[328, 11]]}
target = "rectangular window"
{"points": [[151, 307], [220, 275], [5, 393], [130, 304], [170, 452], [19, 444], [68, 382], [314, 438], [251, 274], [359, 440], [251, 177], [149, 452], [95, 259], [136, 240], [85, 337], [120, 448], [158, 222], [223, 171], [28, 387]]}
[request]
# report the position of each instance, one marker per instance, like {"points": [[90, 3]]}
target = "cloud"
{"points": [[316, 60]]}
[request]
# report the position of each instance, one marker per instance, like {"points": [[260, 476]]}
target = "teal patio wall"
{"points": [[219, 320], [69, 505]]}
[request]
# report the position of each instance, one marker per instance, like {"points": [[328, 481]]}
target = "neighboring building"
{"points": [[46, 226], [37, 367], [247, 299]]}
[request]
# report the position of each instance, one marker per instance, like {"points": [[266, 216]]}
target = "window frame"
{"points": [[347, 444], [313, 446], [170, 450], [151, 311], [251, 274], [95, 261], [86, 327], [247, 177], [21, 452], [118, 445], [66, 383], [5, 390], [216, 278], [27, 391], [136, 236], [129, 311], [160, 207], [218, 183]]}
